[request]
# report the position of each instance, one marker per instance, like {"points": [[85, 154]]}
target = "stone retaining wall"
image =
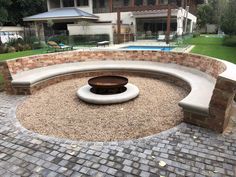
{"points": [[220, 103]]}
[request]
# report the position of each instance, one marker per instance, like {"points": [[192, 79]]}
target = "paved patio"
{"points": [[186, 149]]}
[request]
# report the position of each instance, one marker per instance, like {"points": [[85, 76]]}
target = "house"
{"points": [[118, 17]]}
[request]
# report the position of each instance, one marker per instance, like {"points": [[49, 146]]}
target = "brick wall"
{"points": [[210, 66]]}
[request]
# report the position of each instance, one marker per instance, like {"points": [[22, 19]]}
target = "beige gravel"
{"points": [[57, 111]]}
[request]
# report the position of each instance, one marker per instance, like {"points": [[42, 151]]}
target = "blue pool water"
{"points": [[157, 48]]}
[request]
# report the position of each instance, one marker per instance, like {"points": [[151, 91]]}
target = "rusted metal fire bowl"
{"points": [[108, 84]]}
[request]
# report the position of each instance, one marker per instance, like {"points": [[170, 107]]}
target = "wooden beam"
{"points": [[110, 5], [118, 27], [168, 25], [157, 2], [144, 8], [132, 3]]}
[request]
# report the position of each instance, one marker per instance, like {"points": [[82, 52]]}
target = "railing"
{"points": [[134, 8]]}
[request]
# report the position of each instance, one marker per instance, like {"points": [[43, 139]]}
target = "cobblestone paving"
{"points": [[187, 151]]}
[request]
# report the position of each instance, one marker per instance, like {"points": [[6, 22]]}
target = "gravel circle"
{"points": [[56, 111]]}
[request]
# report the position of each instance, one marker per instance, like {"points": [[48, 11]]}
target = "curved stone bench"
{"points": [[212, 81], [198, 99]]}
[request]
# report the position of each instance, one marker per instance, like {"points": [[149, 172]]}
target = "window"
{"points": [[68, 3], [54, 4], [164, 2], [82, 3], [101, 3], [94, 4], [126, 2], [172, 2], [151, 2], [138, 2]]}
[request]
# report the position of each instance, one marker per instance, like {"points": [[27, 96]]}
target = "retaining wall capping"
{"points": [[220, 103]]}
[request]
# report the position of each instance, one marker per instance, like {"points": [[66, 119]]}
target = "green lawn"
{"points": [[7, 56], [212, 46]]}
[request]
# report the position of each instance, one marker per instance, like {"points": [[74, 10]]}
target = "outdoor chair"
{"points": [[103, 43], [53, 46], [161, 37]]}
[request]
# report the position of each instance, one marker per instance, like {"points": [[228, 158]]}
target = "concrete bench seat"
{"points": [[202, 84]]}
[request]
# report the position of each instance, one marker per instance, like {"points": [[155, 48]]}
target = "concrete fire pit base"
{"points": [[86, 95]]}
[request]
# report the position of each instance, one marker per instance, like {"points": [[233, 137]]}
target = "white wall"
{"points": [[126, 17], [77, 29], [11, 28], [181, 15]]}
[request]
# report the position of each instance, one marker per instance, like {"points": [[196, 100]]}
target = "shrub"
{"points": [[59, 39], [11, 49], [88, 39], [26, 47], [3, 48], [14, 42], [80, 39], [18, 47], [196, 34], [229, 41]]}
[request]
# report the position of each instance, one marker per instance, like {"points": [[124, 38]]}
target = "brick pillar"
{"points": [[221, 103], [7, 78]]}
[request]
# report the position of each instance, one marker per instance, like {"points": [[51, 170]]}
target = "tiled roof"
{"points": [[61, 13]]}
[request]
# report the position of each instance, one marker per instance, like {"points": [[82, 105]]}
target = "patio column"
{"points": [[132, 3], [61, 4], [182, 3], [118, 26], [186, 19], [168, 25], [48, 5], [110, 5], [157, 2], [180, 21], [39, 31]]}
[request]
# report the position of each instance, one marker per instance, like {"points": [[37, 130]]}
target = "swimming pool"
{"points": [[157, 48]]}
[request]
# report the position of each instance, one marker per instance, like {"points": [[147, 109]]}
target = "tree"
{"points": [[204, 15], [218, 10], [12, 12], [228, 19], [5, 4]]}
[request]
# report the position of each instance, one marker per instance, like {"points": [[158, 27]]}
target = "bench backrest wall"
{"points": [[210, 66]]}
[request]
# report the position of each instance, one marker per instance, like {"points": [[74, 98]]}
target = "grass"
{"points": [[6, 56], [212, 46]]}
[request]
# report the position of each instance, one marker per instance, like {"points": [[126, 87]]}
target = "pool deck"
{"points": [[184, 49], [187, 151]]}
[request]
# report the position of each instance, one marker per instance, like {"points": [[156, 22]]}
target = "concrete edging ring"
{"points": [[86, 95]]}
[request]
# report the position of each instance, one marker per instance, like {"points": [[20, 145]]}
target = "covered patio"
{"points": [[55, 21]]}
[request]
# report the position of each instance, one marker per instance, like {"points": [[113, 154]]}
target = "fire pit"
{"points": [[108, 84], [108, 90]]}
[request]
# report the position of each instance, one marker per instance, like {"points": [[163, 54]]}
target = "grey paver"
{"points": [[23, 153]]}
